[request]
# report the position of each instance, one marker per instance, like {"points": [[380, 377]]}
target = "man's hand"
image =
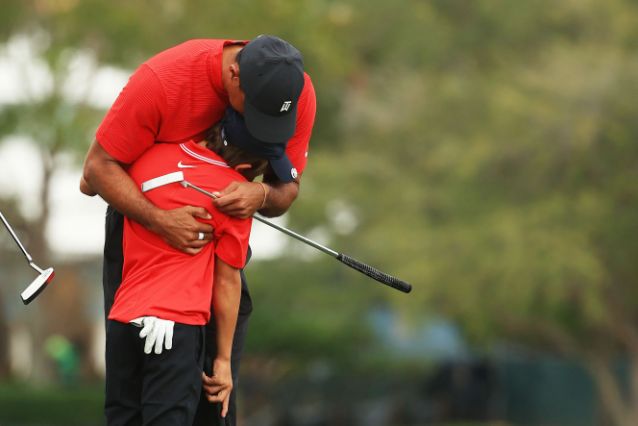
{"points": [[219, 386], [180, 228], [157, 332], [240, 199]]}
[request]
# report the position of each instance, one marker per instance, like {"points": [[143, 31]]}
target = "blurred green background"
{"points": [[485, 151]]}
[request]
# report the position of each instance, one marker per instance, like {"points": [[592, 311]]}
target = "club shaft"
{"points": [[298, 237], [36, 267], [198, 189], [286, 231], [15, 238]]}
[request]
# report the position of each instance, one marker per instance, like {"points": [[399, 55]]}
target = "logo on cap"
{"points": [[285, 106], [293, 173]]}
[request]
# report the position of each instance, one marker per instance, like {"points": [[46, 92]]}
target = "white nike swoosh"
{"points": [[186, 166]]}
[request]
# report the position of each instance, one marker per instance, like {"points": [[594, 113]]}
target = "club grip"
{"points": [[374, 273]]}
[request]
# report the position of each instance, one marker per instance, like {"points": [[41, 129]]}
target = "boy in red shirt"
{"points": [[169, 292]]}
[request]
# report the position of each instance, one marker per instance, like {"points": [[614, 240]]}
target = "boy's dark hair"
{"points": [[234, 155]]}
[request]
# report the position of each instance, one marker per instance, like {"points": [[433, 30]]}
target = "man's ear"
{"points": [[234, 72]]}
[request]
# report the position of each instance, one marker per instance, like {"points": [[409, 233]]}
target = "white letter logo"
{"points": [[285, 106]]}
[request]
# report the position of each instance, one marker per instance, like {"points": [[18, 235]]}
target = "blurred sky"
{"points": [[76, 226]]}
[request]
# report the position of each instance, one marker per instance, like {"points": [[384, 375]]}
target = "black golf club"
{"points": [[39, 284]]}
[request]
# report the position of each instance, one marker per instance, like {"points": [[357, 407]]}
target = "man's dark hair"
{"points": [[234, 155]]}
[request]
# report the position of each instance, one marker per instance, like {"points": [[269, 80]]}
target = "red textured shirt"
{"points": [[162, 281], [176, 96]]}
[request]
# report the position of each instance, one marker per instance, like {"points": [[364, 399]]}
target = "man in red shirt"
{"points": [[167, 290], [175, 96]]}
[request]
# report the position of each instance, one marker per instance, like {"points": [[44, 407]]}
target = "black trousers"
{"points": [[207, 414], [152, 390]]}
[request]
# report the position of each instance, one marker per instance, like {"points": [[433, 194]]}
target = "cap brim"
{"points": [[284, 169], [268, 128]]}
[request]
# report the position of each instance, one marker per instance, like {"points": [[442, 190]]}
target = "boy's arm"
{"points": [[226, 295]]}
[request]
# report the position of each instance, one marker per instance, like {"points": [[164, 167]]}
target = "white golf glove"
{"points": [[158, 333]]}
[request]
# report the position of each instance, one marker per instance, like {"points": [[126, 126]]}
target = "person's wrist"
{"points": [[266, 190], [223, 358], [154, 219]]}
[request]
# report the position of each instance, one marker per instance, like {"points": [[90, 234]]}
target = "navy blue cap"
{"points": [[235, 132], [271, 77]]}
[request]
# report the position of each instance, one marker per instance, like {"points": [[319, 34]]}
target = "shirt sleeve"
{"points": [[132, 124], [232, 241], [297, 149]]}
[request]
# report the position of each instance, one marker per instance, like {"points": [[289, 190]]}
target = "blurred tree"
{"points": [[8, 248], [58, 123], [512, 208]]}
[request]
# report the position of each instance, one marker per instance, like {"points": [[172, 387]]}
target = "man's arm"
{"points": [[105, 176], [226, 296]]}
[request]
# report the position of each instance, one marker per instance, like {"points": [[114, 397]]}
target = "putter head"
{"points": [[35, 288]]}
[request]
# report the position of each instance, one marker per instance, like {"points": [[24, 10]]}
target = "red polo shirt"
{"points": [[178, 94], [162, 281]]}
